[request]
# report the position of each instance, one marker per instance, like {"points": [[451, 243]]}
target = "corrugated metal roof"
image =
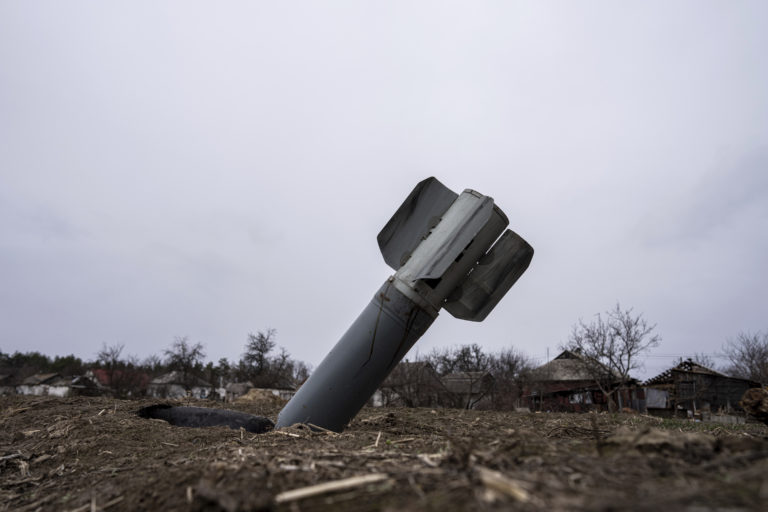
{"points": [[176, 377], [687, 366], [567, 366], [40, 378]]}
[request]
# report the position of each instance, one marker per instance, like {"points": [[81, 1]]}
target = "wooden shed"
{"points": [[692, 387]]}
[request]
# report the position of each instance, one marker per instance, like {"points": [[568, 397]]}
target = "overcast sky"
{"points": [[212, 169]]}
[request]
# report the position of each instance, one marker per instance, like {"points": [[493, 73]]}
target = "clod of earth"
{"points": [[755, 402], [688, 445], [205, 417], [76, 457]]}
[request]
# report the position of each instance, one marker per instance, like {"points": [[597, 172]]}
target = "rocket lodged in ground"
{"points": [[449, 251]]}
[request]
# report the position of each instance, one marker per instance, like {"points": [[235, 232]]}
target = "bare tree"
{"points": [[124, 375], [266, 370], [464, 358], [185, 358], [256, 357], [153, 364], [463, 377], [511, 370], [301, 372], [466, 368], [413, 384], [748, 356], [610, 347], [109, 356], [110, 361]]}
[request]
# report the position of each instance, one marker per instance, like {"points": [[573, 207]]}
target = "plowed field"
{"points": [[96, 454]]}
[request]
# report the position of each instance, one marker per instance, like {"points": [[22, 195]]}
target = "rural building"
{"points": [[283, 389], [83, 386], [470, 390], [121, 381], [690, 387], [567, 384], [177, 385], [411, 385], [53, 384]]}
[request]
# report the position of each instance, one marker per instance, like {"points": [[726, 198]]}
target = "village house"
{"points": [[568, 384], [470, 390], [417, 384], [690, 388], [53, 384], [126, 382], [284, 389], [411, 384], [177, 385]]}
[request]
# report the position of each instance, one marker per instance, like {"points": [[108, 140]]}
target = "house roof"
{"points": [[412, 372], [41, 378], [687, 366], [176, 377], [104, 377], [467, 382], [82, 382], [59, 381], [567, 366]]}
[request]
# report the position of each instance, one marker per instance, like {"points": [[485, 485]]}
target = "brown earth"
{"points": [[96, 454]]}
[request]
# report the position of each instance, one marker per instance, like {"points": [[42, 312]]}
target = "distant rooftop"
{"points": [[687, 366]]}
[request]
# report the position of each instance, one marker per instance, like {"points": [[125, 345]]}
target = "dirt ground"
{"points": [[96, 454]]}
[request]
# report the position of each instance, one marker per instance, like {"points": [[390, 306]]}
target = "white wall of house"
{"points": [[43, 390], [284, 394]]}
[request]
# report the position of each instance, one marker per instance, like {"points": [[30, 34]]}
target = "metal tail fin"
{"points": [[420, 212], [491, 278]]}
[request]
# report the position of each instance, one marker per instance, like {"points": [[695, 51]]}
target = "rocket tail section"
{"points": [[491, 278], [420, 212]]}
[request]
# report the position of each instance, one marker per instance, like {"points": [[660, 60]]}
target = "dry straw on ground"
{"points": [[96, 454]]}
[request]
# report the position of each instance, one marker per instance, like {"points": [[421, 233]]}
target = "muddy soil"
{"points": [[96, 454]]}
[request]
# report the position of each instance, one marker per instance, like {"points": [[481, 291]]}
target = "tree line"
{"points": [[461, 377], [611, 347], [263, 363]]}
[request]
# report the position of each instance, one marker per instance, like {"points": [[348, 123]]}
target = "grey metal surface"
{"points": [[420, 212], [490, 280], [361, 360], [467, 259], [446, 241]]}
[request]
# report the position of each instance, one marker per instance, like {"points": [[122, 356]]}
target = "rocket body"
{"points": [[447, 254], [355, 368]]}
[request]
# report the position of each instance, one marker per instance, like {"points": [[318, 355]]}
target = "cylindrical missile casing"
{"points": [[358, 364]]}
